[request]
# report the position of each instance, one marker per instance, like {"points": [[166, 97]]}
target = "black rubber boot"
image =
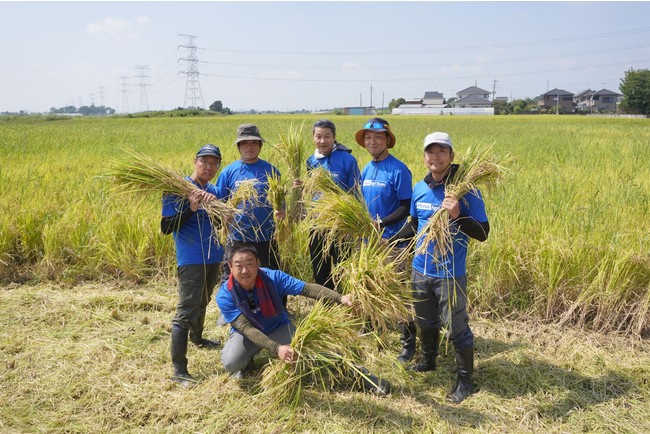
{"points": [[429, 343], [179, 356], [464, 369], [373, 384], [409, 333]]}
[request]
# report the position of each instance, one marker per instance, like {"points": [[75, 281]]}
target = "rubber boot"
{"points": [[373, 384], [409, 332], [179, 356], [429, 343], [464, 368]]}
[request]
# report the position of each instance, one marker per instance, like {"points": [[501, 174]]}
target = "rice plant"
{"points": [[326, 355]]}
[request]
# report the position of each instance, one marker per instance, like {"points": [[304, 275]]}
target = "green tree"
{"points": [[395, 103], [216, 106], [635, 87]]}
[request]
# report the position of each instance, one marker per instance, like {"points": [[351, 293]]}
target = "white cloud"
{"points": [[116, 28]]}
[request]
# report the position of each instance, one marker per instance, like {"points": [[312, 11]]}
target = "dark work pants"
{"points": [[322, 263], [195, 287]]}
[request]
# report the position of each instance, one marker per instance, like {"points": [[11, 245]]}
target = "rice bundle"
{"points": [[479, 167], [339, 217], [325, 354], [142, 174], [377, 284]]}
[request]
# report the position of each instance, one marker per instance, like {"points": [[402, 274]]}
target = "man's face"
{"points": [[438, 158], [324, 140], [376, 142], [249, 150], [244, 267], [206, 167]]}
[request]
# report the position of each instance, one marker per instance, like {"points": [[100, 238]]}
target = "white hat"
{"points": [[439, 138]]}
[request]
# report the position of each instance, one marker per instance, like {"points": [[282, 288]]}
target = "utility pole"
{"points": [[370, 94], [144, 104], [382, 100], [360, 100], [494, 89], [193, 94], [125, 95]]}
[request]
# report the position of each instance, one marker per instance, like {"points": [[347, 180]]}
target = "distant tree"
{"points": [[502, 107], [216, 106], [395, 103], [450, 102], [635, 87]]}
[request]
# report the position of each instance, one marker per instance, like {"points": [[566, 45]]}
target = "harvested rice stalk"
{"points": [[324, 343], [292, 149], [378, 285], [140, 173], [339, 217], [479, 167]]}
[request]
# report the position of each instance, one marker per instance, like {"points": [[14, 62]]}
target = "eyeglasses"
{"points": [[208, 163], [375, 126]]}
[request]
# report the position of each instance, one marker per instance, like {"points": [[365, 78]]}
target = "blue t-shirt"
{"points": [[425, 203], [284, 285], [195, 242], [342, 165], [383, 184], [256, 223]]}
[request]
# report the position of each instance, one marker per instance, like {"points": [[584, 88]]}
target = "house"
{"points": [[433, 98], [472, 101], [473, 97], [473, 90], [591, 101], [557, 99]]}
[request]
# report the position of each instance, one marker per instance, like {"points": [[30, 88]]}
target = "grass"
{"points": [[94, 358]]}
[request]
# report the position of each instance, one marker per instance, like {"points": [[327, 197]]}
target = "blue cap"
{"points": [[209, 150]]}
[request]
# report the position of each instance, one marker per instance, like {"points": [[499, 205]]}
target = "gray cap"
{"points": [[438, 138], [248, 132]]}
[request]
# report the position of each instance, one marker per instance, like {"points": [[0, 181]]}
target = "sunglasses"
{"points": [[375, 126]]}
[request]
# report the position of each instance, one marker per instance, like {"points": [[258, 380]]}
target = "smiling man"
{"points": [[198, 256], [439, 284], [256, 225], [386, 186]]}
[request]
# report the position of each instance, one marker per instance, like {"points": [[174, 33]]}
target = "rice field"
{"points": [[88, 286]]}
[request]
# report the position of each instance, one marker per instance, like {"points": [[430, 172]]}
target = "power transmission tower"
{"points": [[125, 95], [144, 104], [193, 94], [101, 96]]}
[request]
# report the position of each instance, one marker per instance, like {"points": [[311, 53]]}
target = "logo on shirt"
{"points": [[425, 206], [373, 183]]}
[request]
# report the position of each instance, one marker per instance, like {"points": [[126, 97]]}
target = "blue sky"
{"points": [[311, 55]]}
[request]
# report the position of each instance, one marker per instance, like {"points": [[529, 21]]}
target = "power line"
{"points": [[447, 50], [125, 95]]}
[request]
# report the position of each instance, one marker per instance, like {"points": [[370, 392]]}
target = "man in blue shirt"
{"points": [[250, 301], [256, 224], [386, 186], [439, 280], [198, 256], [338, 160]]}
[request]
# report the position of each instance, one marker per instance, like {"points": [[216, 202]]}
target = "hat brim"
{"points": [[241, 139], [446, 145], [359, 137], [208, 154]]}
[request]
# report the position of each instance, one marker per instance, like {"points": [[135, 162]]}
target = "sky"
{"points": [[134, 56]]}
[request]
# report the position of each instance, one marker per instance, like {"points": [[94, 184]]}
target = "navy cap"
{"points": [[209, 150]]}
